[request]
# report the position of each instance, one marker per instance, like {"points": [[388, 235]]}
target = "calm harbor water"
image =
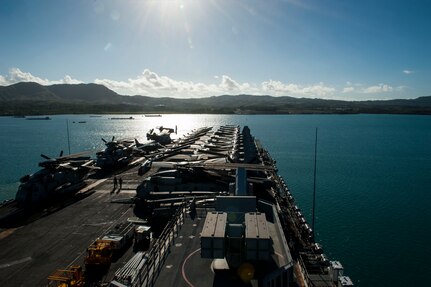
{"points": [[373, 177]]}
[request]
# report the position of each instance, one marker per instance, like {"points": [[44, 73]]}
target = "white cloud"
{"points": [[3, 81], [380, 88], [229, 84], [107, 47], [319, 89], [348, 89], [374, 89], [68, 80], [408, 72], [280, 88], [16, 76], [152, 84]]}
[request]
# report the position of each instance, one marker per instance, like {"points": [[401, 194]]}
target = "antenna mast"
{"points": [[314, 187], [68, 138]]}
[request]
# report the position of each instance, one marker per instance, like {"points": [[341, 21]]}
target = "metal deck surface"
{"points": [[30, 253], [184, 265], [176, 271]]}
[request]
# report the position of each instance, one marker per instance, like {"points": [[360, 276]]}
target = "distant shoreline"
{"points": [[197, 113], [32, 99]]}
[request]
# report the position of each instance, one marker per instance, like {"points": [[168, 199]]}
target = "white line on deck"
{"points": [[15, 262]]}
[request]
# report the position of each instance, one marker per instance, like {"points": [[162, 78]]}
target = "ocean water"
{"points": [[373, 209]]}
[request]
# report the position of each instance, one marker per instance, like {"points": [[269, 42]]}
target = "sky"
{"points": [[332, 49]]}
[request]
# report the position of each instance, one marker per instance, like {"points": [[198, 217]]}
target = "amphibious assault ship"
{"points": [[208, 209]]}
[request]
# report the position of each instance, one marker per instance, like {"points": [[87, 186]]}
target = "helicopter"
{"points": [[146, 148], [116, 154], [161, 135], [197, 181], [57, 177]]}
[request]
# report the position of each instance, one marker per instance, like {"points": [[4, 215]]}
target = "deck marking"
{"points": [[184, 263], [91, 186], [15, 262], [7, 232], [98, 224]]}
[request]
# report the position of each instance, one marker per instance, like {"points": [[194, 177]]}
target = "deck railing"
{"points": [[156, 256]]}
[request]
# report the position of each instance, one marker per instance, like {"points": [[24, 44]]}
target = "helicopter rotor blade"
{"points": [[61, 153], [44, 156], [104, 140], [66, 165], [113, 138]]}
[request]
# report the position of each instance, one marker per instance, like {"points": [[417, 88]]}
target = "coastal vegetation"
{"points": [[27, 98]]}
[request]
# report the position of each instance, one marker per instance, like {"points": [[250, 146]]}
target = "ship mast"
{"points": [[68, 136], [314, 185]]}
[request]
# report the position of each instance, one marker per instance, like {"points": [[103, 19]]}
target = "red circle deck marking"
{"points": [[182, 268]]}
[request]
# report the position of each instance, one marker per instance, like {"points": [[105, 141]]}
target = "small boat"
{"points": [[38, 118], [152, 115], [129, 118]]}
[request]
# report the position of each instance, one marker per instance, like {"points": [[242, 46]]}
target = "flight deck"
{"points": [[208, 209]]}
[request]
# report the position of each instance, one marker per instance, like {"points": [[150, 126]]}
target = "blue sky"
{"points": [[336, 49]]}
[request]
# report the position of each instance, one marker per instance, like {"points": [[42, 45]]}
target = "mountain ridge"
{"points": [[32, 98]]}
